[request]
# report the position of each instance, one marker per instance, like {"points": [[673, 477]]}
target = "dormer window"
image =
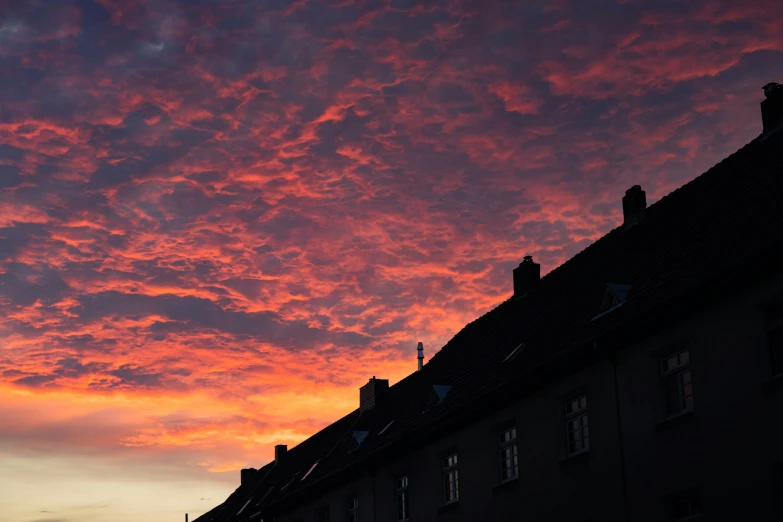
{"points": [[437, 396], [614, 297], [359, 436], [440, 392], [356, 440]]}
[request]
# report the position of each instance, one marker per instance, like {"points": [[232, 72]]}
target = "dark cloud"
{"points": [[24, 285]]}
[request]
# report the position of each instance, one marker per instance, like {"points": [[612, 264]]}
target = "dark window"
{"points": [[610, 301], [509, 465], [323, 514], [775, 339], [577, 430], [450, 479], [402, 499], [686, 507], [353, 510], [677, 387]]}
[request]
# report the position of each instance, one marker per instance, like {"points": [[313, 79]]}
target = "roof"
{"points": [[730, 212]]}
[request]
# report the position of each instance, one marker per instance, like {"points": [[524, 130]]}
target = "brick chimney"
{"points": [[772, 107], [280, 450], [372, 393], [634, 203], [526, 276]]}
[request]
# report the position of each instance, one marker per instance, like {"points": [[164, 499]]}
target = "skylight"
{"points": [[290, 481], [243, 507], [268, 491], [311, 469], [386, 428], [513, 352]]}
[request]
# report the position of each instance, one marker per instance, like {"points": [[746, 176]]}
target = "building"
{"points": [[666, 334]]}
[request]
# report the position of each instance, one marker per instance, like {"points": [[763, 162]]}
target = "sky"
{"points": [[218, 219]]}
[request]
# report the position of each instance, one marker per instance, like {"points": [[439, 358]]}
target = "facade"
{"points": [[641, 380]]}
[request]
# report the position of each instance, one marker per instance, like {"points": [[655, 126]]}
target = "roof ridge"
{"points": [[600, 241]]}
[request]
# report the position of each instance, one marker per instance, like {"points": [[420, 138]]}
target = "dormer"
{"points": [[614, 297], [437, 395]]}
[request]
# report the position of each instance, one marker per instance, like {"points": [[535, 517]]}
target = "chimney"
{"points": [[372, 393], [634, 203], [420, 357], [246, 476], [772, 107], [526, 276], [280, 450]]}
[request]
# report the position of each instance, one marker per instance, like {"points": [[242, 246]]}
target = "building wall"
{"points": [[550, 487], [336, 502], [729, 446]]}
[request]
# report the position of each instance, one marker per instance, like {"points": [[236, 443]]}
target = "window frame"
{"points": [[323, 514], [695, 503], [677, 372], [583, 414], [506, 444], [450, 470], [352, 510], [404, 492]]}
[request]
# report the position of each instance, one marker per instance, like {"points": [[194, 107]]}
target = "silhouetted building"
{"points": [[642, 380]]}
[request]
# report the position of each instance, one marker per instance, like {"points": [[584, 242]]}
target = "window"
{"points": [[450, 479], [677, 387], [402, 499], [614, 297], [509, 466], [353, 510], [775, 339], [577, 431], [439, 392], [686, 506], [323, 514]]}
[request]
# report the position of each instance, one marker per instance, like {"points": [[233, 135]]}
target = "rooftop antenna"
{"points": [[420, 349]]}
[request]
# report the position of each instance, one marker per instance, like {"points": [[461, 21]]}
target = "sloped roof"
{"points": [[730, 212]]}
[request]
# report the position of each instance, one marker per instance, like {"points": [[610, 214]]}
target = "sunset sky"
{"points": [[219, 218]]}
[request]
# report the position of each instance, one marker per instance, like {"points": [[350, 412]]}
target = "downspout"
{"points": [[623, 475]]}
